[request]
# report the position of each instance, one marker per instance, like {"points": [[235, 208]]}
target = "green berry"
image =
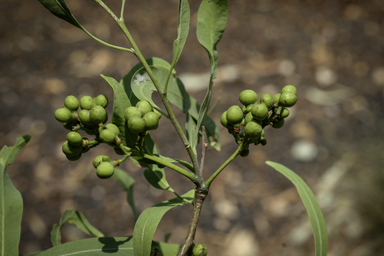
{"points": [[136, 124], [287, 99], [247, 97], [87, 102], [71, 103], [244, 152], [113, 128], [200, 250], [278, 124], [151, 120], [276, 98], [157, 113], [224, 120], [70, 150], [248, 118], [105, 170], [98, 115], [73, 158], [234, 114], [107, 136], [63, 115], [101, 100], [75, 139], [263, 141], [289, 89], [259, 111], [106, 159], [267, 99], [284, 113], [130, 112], [84, 117], [144, 107], [252, 129], [97, 160]]}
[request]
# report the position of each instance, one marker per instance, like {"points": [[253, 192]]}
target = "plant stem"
{"points": [[200, 195]]}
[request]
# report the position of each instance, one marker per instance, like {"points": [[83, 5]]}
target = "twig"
{"points": [[204, 146]]}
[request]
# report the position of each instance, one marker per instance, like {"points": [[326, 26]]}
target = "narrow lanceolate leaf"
{"points": [[148, 221], [211, 22], [120, 103], [126, 182], [60, 9], [79, 220], [11, 202], [311, 205]]}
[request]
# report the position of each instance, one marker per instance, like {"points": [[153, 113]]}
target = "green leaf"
{"points": [[11, 202], [148, 221], [76, 218], [211, 22], [120, 103], [311, 205], [126, 182], [156, 177], [60, 9]]}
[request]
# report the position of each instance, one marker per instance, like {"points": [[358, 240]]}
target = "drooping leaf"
{"points": [[60, 9], [156, 177], [126, 182], [76, 218], [120, 103], [148, 221], [316, 218], [11, 202]]}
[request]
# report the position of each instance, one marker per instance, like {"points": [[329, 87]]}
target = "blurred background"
{"points": [[333, 51]]}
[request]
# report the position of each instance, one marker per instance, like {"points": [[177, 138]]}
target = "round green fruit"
{"points": [[151, 120], [248, 118], [136, 124], [106, 159], [107, 136], [70, 150], [200, 250], [278, 124], [84, 117], [267, 99], [276, 98], [144, 107], [130, 112], [252, 129], [98, 115], [75, 139], [157, 113], [259, 111], [244, 152], [234, 114], [223, 119], [284, 113], [247, 97], [113, 128], [73, 158], [63, 115], [105, 170], [97, 160], [101, 100], [87, 102], [289, 89], [263, 141], [287, 99], [71, 103]]}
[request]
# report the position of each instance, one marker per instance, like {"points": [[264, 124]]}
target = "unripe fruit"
{"points": [[276, 98], [97, 160], [98, 115], [105, 170], [84, 117], [157, 113], [75, 139], [259, 111], [144, 107], [69, 125], [113, 128], [136, 124], [73, 158], [289, 89], [247, 109], [107, 136], [284, 113], [278, 124], [248, 118], [267, 99], [200, 250], [130, 112], [234, 114], [87, 102], [252, 129], [247, 97], [287, 99], [106, 159], [151, 121], [63, 115], [223, 119], [101, 100], [70, 150], [71, 103], [244, 152], [263, 141]]}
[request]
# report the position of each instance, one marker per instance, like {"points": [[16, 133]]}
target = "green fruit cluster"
{"points": [[247, 123], [73, 146], [109, 133], [105, 167], [142, 117]]}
